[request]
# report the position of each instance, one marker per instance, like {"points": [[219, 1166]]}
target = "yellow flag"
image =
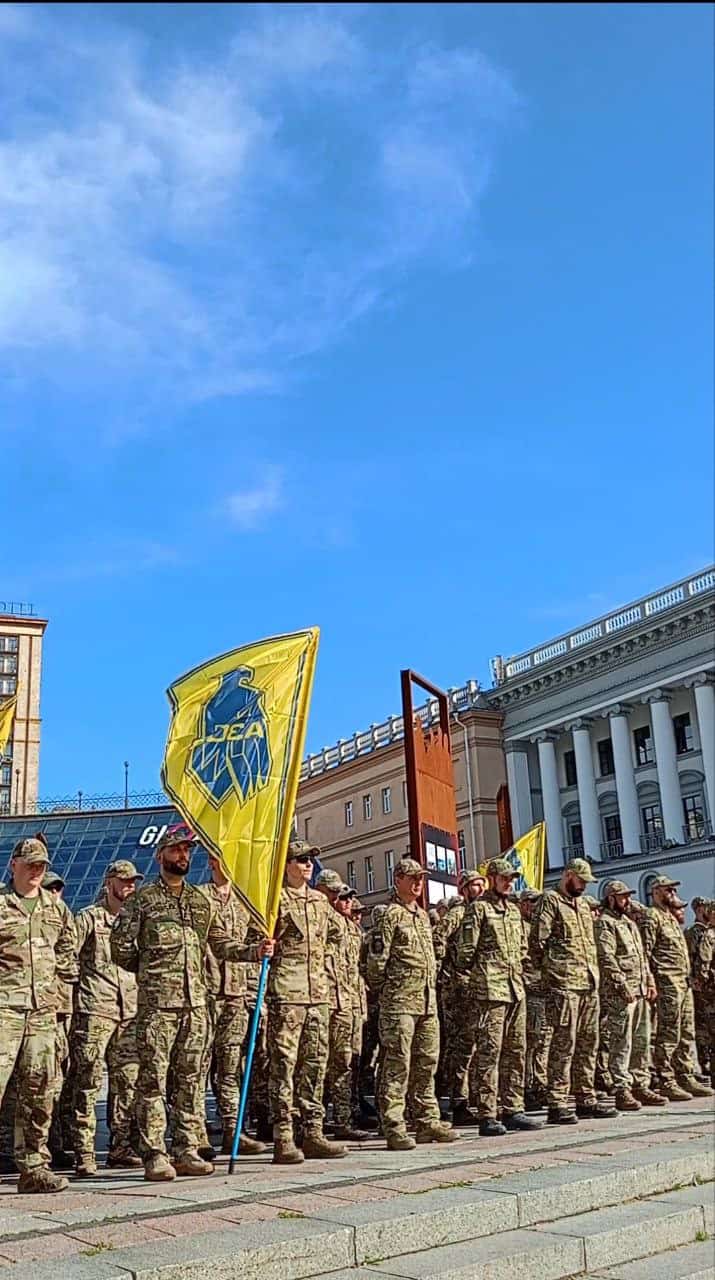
{"points": [[7, 715], [527, 856], [233, 756]]}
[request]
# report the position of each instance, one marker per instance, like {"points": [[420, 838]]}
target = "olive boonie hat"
{"points": [[664, 882], [179, 834], [301, 849], [31, 850], [469, 876], [51, 880], [409, 867], [581, 868], [501, 867], [330, 879], [530, 895], [617, 886], [123, 869]]}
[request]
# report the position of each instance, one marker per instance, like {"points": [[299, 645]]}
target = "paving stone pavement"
{"points": [[332, 1215]]}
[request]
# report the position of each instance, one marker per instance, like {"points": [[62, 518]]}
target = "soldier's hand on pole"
{"points": [[266, 948]]}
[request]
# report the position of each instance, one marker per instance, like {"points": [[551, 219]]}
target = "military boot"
{"points": [[519, 1120], [158, 1168], [346, 1133], [192, 1165], [625, 1101], [436, 1133], [649, 1097], [400, 1142], [39, 1181], [286, 1152], [694, 1087], [124, 1158], [595, 1111], [264, 1128], [86, 1167], [561, 1115], [317, 1147], [462, 1115], [491, 1129], [674, 1093], [246, 1146]]}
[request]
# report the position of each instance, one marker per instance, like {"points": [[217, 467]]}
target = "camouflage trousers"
{"points": [[97, 1041], [170, 1041], [410, 1053], [674, 1034], [573, 1019], [459, 1042], [705, 1031], [28, 1050], [627, 1032], [261, 1069], [538, 1040], [500, 1056], [338, 1077], [370, 1045], [61, 1129], [298, 1039], [228, 1023]]}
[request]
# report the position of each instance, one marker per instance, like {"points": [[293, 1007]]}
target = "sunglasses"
{"points": [[303, 859]]}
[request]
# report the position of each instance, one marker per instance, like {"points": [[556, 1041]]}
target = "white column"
{"points": [[628, 810], [517, 776], [667, 764], [587, 802], [551, 797], [705, 706]]}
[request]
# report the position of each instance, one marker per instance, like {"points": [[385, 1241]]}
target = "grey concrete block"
{"points": [[545, 1194], [689, 1262], [22, 1224], [631, 1231], [69, 1269], [385, 1228], [703, 1195], [513, 1255], [275, 1250]]}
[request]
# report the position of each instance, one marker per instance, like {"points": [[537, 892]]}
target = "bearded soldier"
{"points": [[703, 1006], [401, 967], [162, 934]]}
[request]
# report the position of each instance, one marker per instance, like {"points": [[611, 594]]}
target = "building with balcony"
{"points": [[21, 637], [609, 735]]}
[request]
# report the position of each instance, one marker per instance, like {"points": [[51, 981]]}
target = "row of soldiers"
{"points": [[164, 976]]}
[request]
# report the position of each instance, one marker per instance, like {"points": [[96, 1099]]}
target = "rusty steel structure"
{"points": [[431, 799]]}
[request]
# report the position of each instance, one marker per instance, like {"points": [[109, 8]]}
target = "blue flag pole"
{"points": [[252, 1037]]}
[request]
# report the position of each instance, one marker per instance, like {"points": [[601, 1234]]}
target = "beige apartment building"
{"points": [[21, 635], [352, 800]]}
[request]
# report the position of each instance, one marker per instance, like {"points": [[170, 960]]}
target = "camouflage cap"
{"points": [[176, 835], [31, 850], [329, 879], [51, 880], [442, 905], [470, 875], [123, 869], [697, 901], [664, 882], [616, 886], [454, 902], [409, 867], [357, 905], [346, 891], [581, 868], [301, 849], [530, 895], [501, 867]]}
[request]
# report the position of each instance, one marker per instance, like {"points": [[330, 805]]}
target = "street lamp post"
{"points": [[126, 784]]}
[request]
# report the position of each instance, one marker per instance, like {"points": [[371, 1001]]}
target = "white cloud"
{"points": [[193, 228], [247, 509]]}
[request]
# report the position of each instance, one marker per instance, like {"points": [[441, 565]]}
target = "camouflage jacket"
{"points": [[163, 938], [401, 964], [298, 972], [227, 978], [355, 978], [563, 944], [621, 957], [337, 962], [446, 940], [702, 959], [490, 948], [530, 972], [104, 989], [35, 951], [693, 936], [666, 949]]}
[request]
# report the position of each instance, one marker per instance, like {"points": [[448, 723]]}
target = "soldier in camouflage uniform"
{"points": [[667, 953], [452, 991], [538, 1034], [489, 949], [60, 1139], [401, 967], [162, 934], [258, 1088], [703, 1013], [563, 945], [103, 1032], [359, 1005], [339, 954], [299, 1013], [371, 1040], [37, 946], [227, 1007], [703, 972], [627, 987]]}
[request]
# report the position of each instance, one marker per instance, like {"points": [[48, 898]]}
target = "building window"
{"points": [[387, 799], [576, 839], [652, 821], [404, 794], [389, 866], [694, 816], [612, 826], [605, 758], [570, 768], [352, 878], [461, 851], [367, 807], [8, 685], [8, 644], [643, 744], [6, 775], [348, 813], [4, 800], [369, 875], [683, 733], [306, 825], [8, 665]]}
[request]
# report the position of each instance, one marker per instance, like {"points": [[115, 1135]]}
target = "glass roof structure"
{"points": [[82, 845]]}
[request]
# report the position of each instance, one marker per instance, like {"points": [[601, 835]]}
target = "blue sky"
{"points": [[391, 319]]}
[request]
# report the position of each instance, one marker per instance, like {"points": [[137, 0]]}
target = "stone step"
{"points": [[689, 1262]]}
